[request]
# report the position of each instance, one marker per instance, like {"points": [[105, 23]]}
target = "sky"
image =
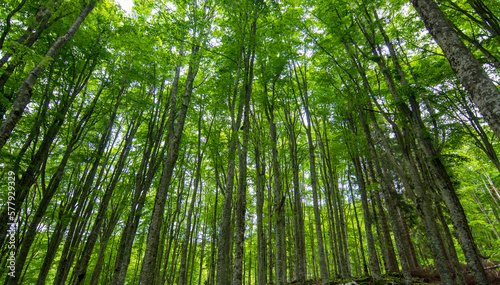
{"points": [[126, 5]]}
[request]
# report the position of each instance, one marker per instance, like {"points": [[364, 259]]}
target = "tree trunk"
{"points": [[82, 265], [182, 269], [25, 91], [438, 170], [393, 264], [472, 76], [147, 275], [372, 254], [300, 239], [279, 203], [241, 198], [104, 239], [365, 267], [261, 240], [224, 249], [325, 278]]}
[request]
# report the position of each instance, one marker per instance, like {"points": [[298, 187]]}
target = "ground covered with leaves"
{"points": [[422, 276]]}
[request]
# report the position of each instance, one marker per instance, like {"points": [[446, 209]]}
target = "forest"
{"points": [[250, 142]]}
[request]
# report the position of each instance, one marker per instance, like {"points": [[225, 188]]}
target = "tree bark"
{"points": [[241, 198], [224, 250], [25, 91], [372, 255], [300, 239], [325, 276], [147, 275], [183, 266], [470, 72], [261, 240], [83, 262]]}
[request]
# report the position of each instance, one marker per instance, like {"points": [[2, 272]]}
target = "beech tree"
{"points": [[252, 142]]}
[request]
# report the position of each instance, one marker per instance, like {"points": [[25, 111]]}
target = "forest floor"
{"points": [[419, 277]]}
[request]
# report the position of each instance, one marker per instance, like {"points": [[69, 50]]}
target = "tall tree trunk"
{"points": [[372, 254], [300, 239], [365, 267], [270, 231], [261, 240], [83, 262], [471, 74], [241, 198], [279, 201], [53, 185], [150, 163], [25, 91], [33, 170], [224, 249], [211, 280], [104, 239], [325, 276], [393, 264], [460, 280], [465, 65], [147, 275], [183, 266]]}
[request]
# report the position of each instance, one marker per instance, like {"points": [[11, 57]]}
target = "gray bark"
{"points": [[183, 266], [224, 244], [103, 245], [147, 275], [325, 278], [149, 165], [392, 264], [279, 203], [459, 278], [365, 267], [442, 179], [238, 270], [300, 239], [52, 188], [25, 91], [261, 239], [83, 262], [470, 72], [372, 254], [33, 170]]}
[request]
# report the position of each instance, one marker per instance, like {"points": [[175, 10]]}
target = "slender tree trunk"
{"points": [[182, 269], [279, 204], [25, 91], [53, 185], [149, 165], [224, 248], [393, 264], [365, 267], [82, 265], [403, 258], [270, 231], [339, 248], [300, 239], [314, 185], [261, 240], [211, 280], [460, 280], [372, 255], [442, 179], [34, 168], [241, 198], [104, 239], [83, 211], [147, 275], [202, 250], [472, 76]]}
